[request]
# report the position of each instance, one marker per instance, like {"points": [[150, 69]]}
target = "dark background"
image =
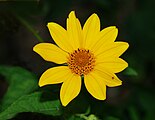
{"points": [[135, 20]]}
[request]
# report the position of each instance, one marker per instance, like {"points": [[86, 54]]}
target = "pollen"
{"points": [[81, 62]]}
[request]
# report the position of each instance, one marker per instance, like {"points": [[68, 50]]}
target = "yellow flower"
{"points": [[88, 52]]}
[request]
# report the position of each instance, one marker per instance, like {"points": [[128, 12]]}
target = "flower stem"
{"points": [[30, 28]]}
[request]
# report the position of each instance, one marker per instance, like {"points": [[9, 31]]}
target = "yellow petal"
{"points": [[112, 64], [74, 31], [110, 79], [106, 36], [95, 85], [51, 52], [59, 35], [91, 30], [70, 89], [115, 49], [54, 75]]}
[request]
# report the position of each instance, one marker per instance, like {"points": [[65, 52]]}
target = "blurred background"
{"points": [[23, 25]]}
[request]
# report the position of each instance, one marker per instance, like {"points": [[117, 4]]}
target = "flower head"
{"points": [[88, 52]]}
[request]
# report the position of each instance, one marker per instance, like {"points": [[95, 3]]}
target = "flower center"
{"points": [[81, 62]]}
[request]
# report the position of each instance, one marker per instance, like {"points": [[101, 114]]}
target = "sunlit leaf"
{"points": [[32, 103], [21, 82]]}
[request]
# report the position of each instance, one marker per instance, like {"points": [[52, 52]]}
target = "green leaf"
{"points": [[111, 118], [130, 71], [73, 117], [92, 117], [133, 113], [32, 103], [146, 100], [83, 117], [21, 82]]}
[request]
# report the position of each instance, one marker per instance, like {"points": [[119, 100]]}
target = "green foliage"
{"points": [[111, 118], [83, 117], [146, 99], [19, 97], [31, 103], [21, 82], [130, 71], [73, 117], [133, 113]]}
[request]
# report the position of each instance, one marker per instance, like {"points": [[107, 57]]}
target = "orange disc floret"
{"points": [[81, 61]]}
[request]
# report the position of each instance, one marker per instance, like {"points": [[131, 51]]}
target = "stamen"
{"points": [[81, 62]]}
